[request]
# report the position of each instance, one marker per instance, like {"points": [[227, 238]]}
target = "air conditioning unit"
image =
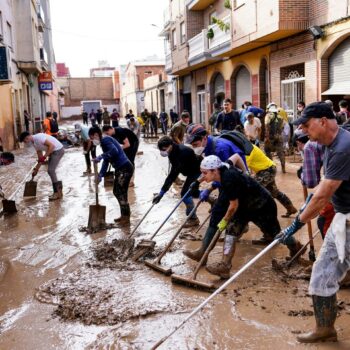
{"points": [[5, 65]]}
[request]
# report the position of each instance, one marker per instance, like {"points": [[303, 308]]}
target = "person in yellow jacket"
{"points": [[265, 173]]}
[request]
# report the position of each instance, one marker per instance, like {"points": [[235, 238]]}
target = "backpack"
{"points": [[238, 139], [53, 126], [275, 126]]}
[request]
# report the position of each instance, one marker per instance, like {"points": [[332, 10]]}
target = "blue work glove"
{"points": [[290, 230], [215, 184], [204, 195], [158, 197], [97, 159]]}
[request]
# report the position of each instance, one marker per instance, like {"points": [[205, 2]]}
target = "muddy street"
{"points": [[64, 289]]}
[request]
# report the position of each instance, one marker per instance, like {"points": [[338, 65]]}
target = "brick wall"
{"points": [[294, 14], [80, 89], [194, 23], [289, 52], [326, 11]]}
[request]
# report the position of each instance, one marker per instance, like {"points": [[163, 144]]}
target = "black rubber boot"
{"points": [[325, 309]]}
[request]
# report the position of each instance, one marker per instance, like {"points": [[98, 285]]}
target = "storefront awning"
{"points": [[339, 88]]}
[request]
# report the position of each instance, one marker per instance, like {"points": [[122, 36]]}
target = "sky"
{"points": [[119, 31]]}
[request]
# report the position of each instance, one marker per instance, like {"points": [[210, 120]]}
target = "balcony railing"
{"points": [[198, 5], [168, 63], [221, 37], [198, 45]]}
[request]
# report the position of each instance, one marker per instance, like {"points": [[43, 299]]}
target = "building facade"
{"points": [[261, 51], [132, 87], [26, 51]]}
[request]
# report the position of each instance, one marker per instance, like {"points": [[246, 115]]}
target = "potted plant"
{"points": [[210, 33]]}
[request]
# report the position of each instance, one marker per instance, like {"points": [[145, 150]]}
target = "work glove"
{"points": [[97, 159], [215, 184], [204, 195], [222, 225], [290, 230], [296, 224], [34, 173], [158, 197], [42, 159]]}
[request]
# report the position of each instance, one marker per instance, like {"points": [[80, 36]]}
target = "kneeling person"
{"points": [[241, 200]]}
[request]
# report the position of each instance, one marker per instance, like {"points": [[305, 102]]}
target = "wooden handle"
{"points": [[309, 225], [96, 182]]}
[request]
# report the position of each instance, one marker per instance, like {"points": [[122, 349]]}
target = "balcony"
{"points": [[43, 59], [41, 20], [221, 41], [198, 48], [168, 64], [198, 5]]}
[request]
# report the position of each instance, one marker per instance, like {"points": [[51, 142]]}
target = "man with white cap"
{"points": [[333, 262], [241, 200]]}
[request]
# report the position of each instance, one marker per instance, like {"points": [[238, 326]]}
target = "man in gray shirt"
{"points": [[333, 262]]}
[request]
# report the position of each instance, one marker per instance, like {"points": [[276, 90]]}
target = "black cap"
{"points": [[315, 110]]}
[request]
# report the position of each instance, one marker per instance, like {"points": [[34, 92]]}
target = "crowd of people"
{"points": [[228, 155]]}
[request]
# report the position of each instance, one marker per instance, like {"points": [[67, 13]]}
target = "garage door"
{"points": [[243, 86]]}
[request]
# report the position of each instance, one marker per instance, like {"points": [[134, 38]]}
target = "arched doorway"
{"points": [[263, 84], [241, 86], [217, 89], [338, 73]]}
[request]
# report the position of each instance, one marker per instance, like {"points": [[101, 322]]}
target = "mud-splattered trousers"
{"points": [[267, 179], [54, 159], [275, 145], [262, 212], [328, 271], [122, 179]]}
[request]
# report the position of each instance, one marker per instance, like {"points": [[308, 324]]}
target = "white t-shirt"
{"points": [[39, 140], [251, 130]]}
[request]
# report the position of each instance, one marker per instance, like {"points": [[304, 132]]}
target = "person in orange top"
{"points": [[50, 125]]}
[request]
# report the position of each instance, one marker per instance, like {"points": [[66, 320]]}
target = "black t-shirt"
{"points": [[228, 121], [337, 167], [122, 133], [236, 185]]}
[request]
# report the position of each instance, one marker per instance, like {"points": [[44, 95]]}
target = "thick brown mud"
{"points": [[64, 289]]}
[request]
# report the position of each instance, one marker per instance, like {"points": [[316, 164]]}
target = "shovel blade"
{"points": [[30, 189], [8, 206], [97, 216]]}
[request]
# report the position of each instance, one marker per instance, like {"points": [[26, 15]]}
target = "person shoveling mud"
{"points": [[113, 154]]}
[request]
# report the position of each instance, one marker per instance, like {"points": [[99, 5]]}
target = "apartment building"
{"points": [[26, 51], [267, 50], [132, 84]]}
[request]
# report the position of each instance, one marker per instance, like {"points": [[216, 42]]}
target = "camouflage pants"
{"points": [[275, 145], [267, 179]]}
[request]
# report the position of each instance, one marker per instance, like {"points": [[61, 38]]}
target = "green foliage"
{"points": [[221, 24], [227, 4], [210, 33]]}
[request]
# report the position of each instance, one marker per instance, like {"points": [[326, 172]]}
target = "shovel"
{"points": [[97, 213], [192, 282], [155, 265], [30, 188], [312, 253], [147, 245]]}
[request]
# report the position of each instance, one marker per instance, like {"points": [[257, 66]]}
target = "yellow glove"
{"points": [[222, 225]]}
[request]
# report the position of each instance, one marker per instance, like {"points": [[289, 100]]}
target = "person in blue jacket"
{"points": [[113, 154]]}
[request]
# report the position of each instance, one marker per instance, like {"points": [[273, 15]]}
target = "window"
{"points": [[183, 32], [201, 106], [173, 39], [239, 3], [9, 35], [211, 16]]}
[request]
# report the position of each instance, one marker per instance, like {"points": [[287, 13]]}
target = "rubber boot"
{"points": [[287, 203], [223, 267], [124, 218], [325, 309], [198, 253], [60, 189], [283, 166], [55, 194]]}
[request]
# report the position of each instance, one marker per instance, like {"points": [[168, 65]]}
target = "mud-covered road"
{"points": [[63, 289]]}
